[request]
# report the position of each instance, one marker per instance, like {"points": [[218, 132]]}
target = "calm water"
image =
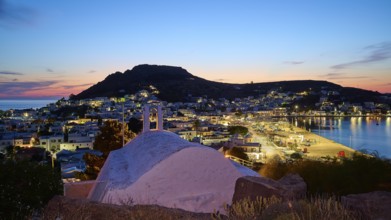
{"points": [[372, 134], [23, 104]]}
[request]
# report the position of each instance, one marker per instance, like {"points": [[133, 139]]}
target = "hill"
{"points": [[176, 84]]}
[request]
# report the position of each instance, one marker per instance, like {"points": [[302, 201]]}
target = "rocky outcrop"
{"points": [[375, 205], [290, 186], [63, 208]]}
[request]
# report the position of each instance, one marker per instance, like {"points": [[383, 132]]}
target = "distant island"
{"points": [[175, 84]]}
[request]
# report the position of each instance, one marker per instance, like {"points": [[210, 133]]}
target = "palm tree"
{"points": [[196, 125]]}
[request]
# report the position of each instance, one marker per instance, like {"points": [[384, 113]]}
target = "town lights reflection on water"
{"points": [[355, 121], [371, 133]]}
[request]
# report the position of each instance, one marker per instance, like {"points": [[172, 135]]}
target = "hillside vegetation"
{"points": [[176, 84], [359, 174]]}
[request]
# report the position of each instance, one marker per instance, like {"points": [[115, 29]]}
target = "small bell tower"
{"points": [[159, 115]]}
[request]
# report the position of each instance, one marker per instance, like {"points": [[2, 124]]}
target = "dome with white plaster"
{"points": [[158, 167]]}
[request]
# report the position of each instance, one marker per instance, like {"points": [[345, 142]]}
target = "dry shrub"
{"points": [[67, 208], [317, 208], [247, 209]]}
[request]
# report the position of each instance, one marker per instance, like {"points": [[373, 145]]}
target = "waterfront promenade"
{"points": [[318, 147], [321, 146]]}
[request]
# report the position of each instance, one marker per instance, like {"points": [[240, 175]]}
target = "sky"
{"points": [[51, 49]]}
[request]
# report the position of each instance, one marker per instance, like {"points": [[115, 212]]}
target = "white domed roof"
{"points": [[158, 167]]}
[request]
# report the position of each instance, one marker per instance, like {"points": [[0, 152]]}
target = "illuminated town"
{"points": [[272, 128]]}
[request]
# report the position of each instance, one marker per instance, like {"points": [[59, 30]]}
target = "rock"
{"points": [[63, 208], [293, 185], [375, 205], [289, 187], [253, 187]]}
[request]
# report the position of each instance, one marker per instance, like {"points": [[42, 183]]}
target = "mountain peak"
{"points": [[147, 69], [156, 67]]}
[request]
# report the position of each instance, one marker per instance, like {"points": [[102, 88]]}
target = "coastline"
{"points": [[334, 116], [21, 104], [321, 146]]}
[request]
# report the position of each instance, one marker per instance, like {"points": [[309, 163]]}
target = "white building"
{"points": [[158, 167], [76, 145], [51, 143]]}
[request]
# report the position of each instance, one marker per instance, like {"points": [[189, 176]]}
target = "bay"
{"points": [[372, 134], [6, 104]]}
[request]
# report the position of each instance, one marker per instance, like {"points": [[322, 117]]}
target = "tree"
{"points": [[196, 125], [10, 151], [70, 111], [58, 103], [66, 135], [135, 125], [94, 165], [238, 130], [110, 137], [239, 113], [296, 156], [237, 152], [26, 187]]}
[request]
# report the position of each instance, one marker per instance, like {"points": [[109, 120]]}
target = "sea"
{"points": [[371, 134], [6, 104]]}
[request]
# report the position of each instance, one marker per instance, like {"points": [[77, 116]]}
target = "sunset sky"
{"points": [[50, 49]]}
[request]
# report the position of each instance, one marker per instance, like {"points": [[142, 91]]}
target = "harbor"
{"points": [[283, 139]]}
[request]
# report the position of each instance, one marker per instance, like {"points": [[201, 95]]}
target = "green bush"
{"points": [[296, 156], [359, 174], [238, 130], [94, 165], [26, 187]]}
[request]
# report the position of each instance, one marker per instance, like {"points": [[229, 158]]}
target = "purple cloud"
{"points": [[75, 86], [335, 76], [17, 88], [219, 80], [331, 75], [49, 70], [349, 77], [294, 62], [377, 52], [92, 71], [10, 73]]}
